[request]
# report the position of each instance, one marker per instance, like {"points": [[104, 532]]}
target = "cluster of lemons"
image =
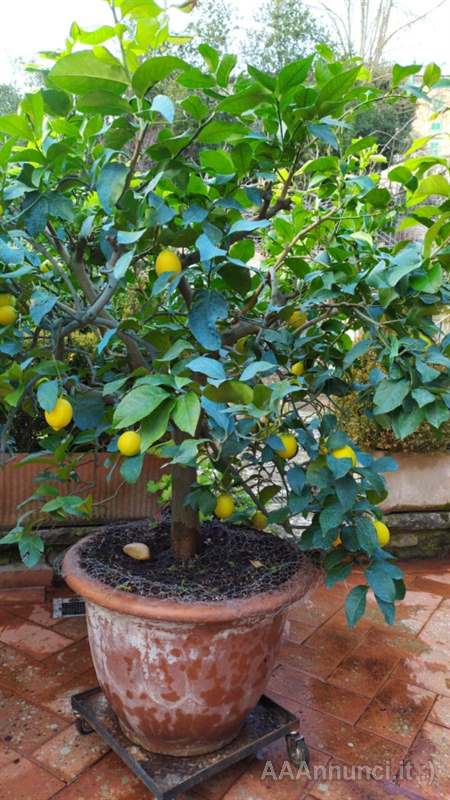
{"points": [[8, 313]]}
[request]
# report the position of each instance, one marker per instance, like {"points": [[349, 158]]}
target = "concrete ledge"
{"points": [[18, 576], [420, 535]]}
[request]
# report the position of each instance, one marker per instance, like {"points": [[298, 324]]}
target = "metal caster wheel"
{"points": [[297, 750], [83, 727]]}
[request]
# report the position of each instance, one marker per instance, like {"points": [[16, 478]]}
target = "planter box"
{"points": [[126, 502], [421, 483]]}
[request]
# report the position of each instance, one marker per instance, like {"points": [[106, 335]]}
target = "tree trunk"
{"points": [[185, 534]]}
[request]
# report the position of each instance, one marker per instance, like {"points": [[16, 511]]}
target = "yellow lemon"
{"points": [[297, 319], [129, 443], [7, 300], [8, 315], [167, 261], [259, 520], [290, 446], [298, 368], [345, 452], [383, 533], [224, 506], [45, 266], [61, 414]]}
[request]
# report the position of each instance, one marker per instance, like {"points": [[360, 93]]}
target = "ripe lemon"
{"points": [[259, 520], [298, 368], [7, 300], [46, 266], [8, 315], [167, 261], [224, 506], [129, 443], [60, 415], [297, 319], [383, 532], [290, 446], [345, 452]]}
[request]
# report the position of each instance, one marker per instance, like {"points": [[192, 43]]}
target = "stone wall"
{"points": [[423, 534]]}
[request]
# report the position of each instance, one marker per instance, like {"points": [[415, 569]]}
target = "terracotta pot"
{"points": [[18, 482], [181, 676], [421, 482]]}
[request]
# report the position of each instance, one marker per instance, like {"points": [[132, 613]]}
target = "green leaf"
{"points": [[97, 36], [88, 411], [225, 69], [355, 604], [15, 126], [432, 74], [390, 394], [210, 56], [378, 197], [155, 425], [323, 132], [256, 368], [243, 101], [366, 535], [110, 185], [359, 349], [293, 74], [437, 414], [387, 609], [399, 73], [103, 103], [431, 185], [164, 106], [131, 468], [217, 161], [207, 308], [346, 491], [207, 366], [42, 303], [248, 225], [381, 582], [155, 69], [337, 573], [331, 517], [404, 423], [137, 404], [403, 175], [431, 282], [187, 413], [404, 262], [230, 392], [83, 72], [47, 395]]}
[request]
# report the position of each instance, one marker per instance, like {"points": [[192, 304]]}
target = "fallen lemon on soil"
{"points": [[259, 520], [61, 414], [298, 368], [129, 443], [345, 452], [137, 550], [383, 533], [290, 446], [224, 506], [7, 300], [167, 261], [8, 315]]}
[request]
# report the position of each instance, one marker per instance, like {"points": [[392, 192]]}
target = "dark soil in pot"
{"points": [[233, 562]]}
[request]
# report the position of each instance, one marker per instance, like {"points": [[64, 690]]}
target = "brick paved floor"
{"points": [[373, 703]]}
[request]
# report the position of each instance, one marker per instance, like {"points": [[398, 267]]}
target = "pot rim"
{"points": [[167, 610]]}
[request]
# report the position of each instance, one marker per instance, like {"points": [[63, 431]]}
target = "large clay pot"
{"points": [[181, 676]]}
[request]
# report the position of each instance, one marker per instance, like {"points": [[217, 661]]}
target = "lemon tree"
{"points": [[195, 276]]}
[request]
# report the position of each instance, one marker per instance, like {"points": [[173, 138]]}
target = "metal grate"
{"points": [[68, 607]]}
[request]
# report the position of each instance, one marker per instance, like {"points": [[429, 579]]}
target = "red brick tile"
{"points": [[35, 681], [430, 669], [285, 702], [215, 788], [429, 760], [32, 639], [421, 566], [73, 628], [365, 669], [17, 576], [432, 585], [271, 762], [12, 665], [403, 641], [22, 780], [317, 607], [335, 639], [75, 659], [36, 595], [68, 754], [297, 632], [301, 656], [411, 614], [109, 779], [345, 742], [40, 613], [7, 755], [397, 711], [310, 691], [58, 700], [23, 726], [436, 631], [53, 592], [440, 713], [347, 783]]}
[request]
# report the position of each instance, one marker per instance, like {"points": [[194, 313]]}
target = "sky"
{"points": [[31, 25]]}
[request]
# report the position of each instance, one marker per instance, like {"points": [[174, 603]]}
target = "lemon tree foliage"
{"points": [[183, 277]]}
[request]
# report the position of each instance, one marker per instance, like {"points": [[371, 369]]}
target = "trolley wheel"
{"points": [[298, 751], [83, 727]]}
